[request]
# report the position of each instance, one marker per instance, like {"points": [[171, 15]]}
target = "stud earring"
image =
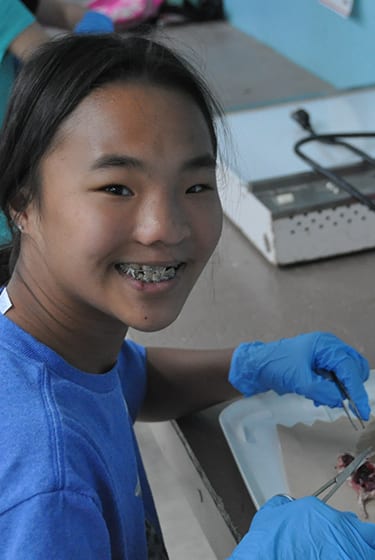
{"points": [[20, 227]]}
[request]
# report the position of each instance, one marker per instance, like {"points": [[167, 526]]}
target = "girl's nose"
{"points": [[162, 220]]}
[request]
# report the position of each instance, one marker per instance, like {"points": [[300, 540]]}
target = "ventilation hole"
{"points": [[321, 226], [334, 223], [307, 229], [292, 231], [313, 220], [363, 218], [349, 220], [298, 223], [328, 217]]}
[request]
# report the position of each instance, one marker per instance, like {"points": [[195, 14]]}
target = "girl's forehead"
{"points": [[135, 112], [150, 123], [142, 98]]}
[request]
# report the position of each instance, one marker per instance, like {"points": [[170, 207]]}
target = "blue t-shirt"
{"points": [[71, 477]]}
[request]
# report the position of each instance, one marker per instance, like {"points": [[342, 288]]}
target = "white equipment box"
{"points": [[290, 213]]}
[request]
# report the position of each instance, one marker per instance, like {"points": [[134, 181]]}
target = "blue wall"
{"points": [[338, 50]]}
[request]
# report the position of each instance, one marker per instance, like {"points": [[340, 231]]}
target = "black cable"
{"points": [[336, 179], [333, 139], [302, 117]]}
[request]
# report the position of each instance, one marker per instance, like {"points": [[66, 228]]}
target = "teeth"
{"points": [[147, 273]]}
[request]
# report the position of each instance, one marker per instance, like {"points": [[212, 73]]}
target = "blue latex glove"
{"points": [[94, 22], [288, 366], [305, 529]]}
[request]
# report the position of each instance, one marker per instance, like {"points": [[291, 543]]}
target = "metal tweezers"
{"points": [[340, 478], [346, 397]]}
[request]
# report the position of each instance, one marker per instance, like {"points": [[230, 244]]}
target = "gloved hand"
{"points": [[289, 365], [94, 22], [305, 529]]}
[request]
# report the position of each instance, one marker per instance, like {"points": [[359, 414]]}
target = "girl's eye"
{"points": [[119, 190], [198, 188]]}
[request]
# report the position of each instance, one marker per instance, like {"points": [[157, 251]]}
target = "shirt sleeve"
{"points": [[56, 525], [133, 376], [14, 18]]}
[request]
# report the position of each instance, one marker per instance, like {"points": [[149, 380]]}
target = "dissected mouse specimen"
{"points": [[362, 480]]}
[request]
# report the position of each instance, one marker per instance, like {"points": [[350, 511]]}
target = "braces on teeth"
{"points": [[147, 273]]}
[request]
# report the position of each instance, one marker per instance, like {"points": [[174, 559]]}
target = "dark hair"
{"points": [[32, 5], [52, 84]]}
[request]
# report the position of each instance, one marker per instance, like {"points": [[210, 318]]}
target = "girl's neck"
{"points": [[87, 343]]}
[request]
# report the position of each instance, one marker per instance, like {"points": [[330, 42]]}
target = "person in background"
{"points": [[22, 30], [108, 180]]}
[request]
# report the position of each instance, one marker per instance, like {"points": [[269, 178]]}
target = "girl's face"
{"points": [[129, 211]]}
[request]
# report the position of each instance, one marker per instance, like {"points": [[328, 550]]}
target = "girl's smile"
{"points": [[149, 273], [129, 211]]}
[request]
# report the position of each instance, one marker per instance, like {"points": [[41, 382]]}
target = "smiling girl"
{"points": [[107, 163]]}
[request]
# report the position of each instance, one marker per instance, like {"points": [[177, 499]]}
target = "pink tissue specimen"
{"points": [[362, 480]]}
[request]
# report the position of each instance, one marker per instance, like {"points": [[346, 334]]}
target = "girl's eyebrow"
{"points": [[117, 160], [204, 160]]}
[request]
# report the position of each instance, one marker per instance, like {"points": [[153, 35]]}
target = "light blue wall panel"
{"points": [[338, 50]]}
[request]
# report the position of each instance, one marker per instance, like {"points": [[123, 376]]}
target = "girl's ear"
{"points": [[19, 211], [17, 219]]}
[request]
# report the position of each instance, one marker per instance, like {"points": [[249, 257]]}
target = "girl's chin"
{"points": [[149, 326], [151, 322]]}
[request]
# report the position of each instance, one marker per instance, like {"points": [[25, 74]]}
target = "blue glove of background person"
{"points": [[289, 365], [305, 529], [94, 22]]}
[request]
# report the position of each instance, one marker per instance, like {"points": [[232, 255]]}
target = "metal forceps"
{"points": [[340, 478], [346, 397]]}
